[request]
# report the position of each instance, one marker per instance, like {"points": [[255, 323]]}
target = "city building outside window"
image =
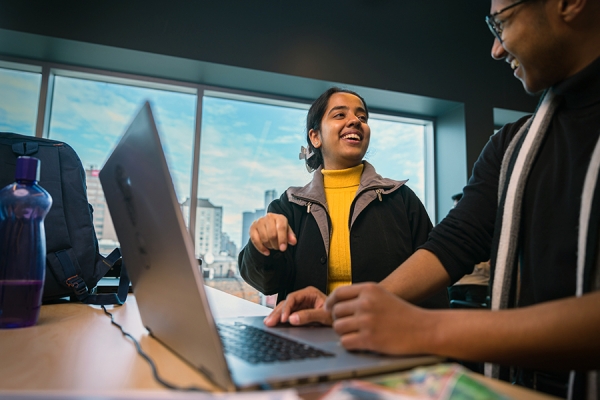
{"points": [[248, 153]]}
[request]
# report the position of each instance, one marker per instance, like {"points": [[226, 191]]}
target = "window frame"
{"points": [[50, 70]]}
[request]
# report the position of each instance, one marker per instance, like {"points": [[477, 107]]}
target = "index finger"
{"points": [[282, 311], [343, 293], [275, 317], [282, 227]]}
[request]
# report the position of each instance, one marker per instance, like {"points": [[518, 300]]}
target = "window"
{"points": [[248, 157], [247, 149], [399, 150], [19, 100], [92, 115]]}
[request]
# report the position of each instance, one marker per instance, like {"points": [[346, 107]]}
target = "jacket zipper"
{"points": [[379, 191], [308, 207]]}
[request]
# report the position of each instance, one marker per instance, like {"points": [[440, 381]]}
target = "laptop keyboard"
{"points": [[255, 345]]}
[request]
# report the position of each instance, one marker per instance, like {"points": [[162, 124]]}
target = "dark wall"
{"points": [[434, 48]]}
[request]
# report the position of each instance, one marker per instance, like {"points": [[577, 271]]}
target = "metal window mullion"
{"points": [[429, 157], [196, 165], [42, 125]]}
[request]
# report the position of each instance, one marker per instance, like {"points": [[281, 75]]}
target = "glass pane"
{"points": [[249, 156], [247, 150], [91, 116], [19, 101], [397, 150]]}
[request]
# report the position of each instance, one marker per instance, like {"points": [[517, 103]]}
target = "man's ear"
{"points": [[314, 138], [571, 9]]}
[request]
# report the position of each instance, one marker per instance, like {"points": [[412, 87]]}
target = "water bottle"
{"points": [[23, 207]]}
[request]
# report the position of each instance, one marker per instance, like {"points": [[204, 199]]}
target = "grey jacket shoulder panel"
{"points": [[312, 196]]}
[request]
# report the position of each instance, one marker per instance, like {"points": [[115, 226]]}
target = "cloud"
{"points": [[92, 116], [246, 148], [288, 139], [19, 101]]}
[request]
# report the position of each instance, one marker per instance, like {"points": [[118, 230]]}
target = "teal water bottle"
{"points": [[23, 207]]}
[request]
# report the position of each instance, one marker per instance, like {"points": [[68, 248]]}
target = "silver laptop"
{"points": [[167, 282]]}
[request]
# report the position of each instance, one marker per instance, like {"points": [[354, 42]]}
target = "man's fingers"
{"points": [[304, 317], [352, 341], [344, 309], [344, 293]]}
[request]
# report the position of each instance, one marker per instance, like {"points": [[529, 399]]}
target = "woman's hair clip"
{"points": [[305, 154]]}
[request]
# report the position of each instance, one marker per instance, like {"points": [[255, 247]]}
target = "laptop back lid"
{"points": [[167, 282], [158, 251]]}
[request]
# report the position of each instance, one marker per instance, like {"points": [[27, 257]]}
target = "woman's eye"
{"points": [[363, 118]]}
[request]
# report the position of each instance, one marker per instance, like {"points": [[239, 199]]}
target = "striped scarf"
{"points": [[516, 165]]}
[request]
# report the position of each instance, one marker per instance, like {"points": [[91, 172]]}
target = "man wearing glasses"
{"points": [[532, 203]]}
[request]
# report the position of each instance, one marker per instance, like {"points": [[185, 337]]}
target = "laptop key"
{"points": [[259, 346]]}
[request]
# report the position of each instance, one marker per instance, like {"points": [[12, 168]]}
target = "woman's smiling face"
{"points": [[344, 133]]}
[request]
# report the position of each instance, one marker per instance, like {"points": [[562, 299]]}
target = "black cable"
{"points": [[149, 360]]}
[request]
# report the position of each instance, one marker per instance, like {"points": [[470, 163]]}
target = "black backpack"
{"points": [[73, 262]]}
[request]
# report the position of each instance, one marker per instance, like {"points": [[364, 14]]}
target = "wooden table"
{"points": [[75, 352]]}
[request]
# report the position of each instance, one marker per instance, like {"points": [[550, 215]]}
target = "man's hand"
{"points": [[300, 308], [271, 232], [368, 317]]}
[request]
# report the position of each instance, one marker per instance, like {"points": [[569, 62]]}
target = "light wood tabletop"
{"points": [[75, 352]]}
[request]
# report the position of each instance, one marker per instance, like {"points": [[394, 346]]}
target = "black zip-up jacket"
{"points": [[387, 224]]}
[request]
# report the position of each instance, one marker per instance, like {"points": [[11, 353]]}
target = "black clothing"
{"points": [[551, 201], [549, 227], [387, 223]]}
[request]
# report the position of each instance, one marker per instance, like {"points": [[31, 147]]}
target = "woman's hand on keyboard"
{"points": [[301, 307]]}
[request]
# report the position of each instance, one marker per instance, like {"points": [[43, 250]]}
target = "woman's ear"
{"points": [[314, 138]]}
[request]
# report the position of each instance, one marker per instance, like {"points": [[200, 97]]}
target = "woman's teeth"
{"points": [[352, 136], [514, 64]]}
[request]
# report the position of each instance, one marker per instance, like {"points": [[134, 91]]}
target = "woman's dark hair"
{"points": [[313, 121]]}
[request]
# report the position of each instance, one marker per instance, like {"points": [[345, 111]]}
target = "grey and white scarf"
{"points": [[516, 165]]}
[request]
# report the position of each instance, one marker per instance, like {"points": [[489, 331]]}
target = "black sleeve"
{"points": [[264, 273], [420, 223], [421, 226], [464, 237]]}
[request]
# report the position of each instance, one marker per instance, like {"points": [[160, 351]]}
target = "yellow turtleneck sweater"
{"points": [[340, 189]]}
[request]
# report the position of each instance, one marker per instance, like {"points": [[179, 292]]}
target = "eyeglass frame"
{"points": [[496, 26]]}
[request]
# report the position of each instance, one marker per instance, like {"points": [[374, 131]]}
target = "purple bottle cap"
{"points": [[28, 168]]}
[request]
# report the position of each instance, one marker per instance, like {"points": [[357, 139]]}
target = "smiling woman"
{"points": [[339, 134], [348, 224]]}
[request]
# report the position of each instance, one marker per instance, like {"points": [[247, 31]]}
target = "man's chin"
{"points": [[531, 90]]}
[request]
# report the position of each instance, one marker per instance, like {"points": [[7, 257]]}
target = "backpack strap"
{"points": [[80, 288]]}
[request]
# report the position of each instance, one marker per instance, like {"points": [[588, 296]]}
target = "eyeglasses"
{"points": [[495, 25]]}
